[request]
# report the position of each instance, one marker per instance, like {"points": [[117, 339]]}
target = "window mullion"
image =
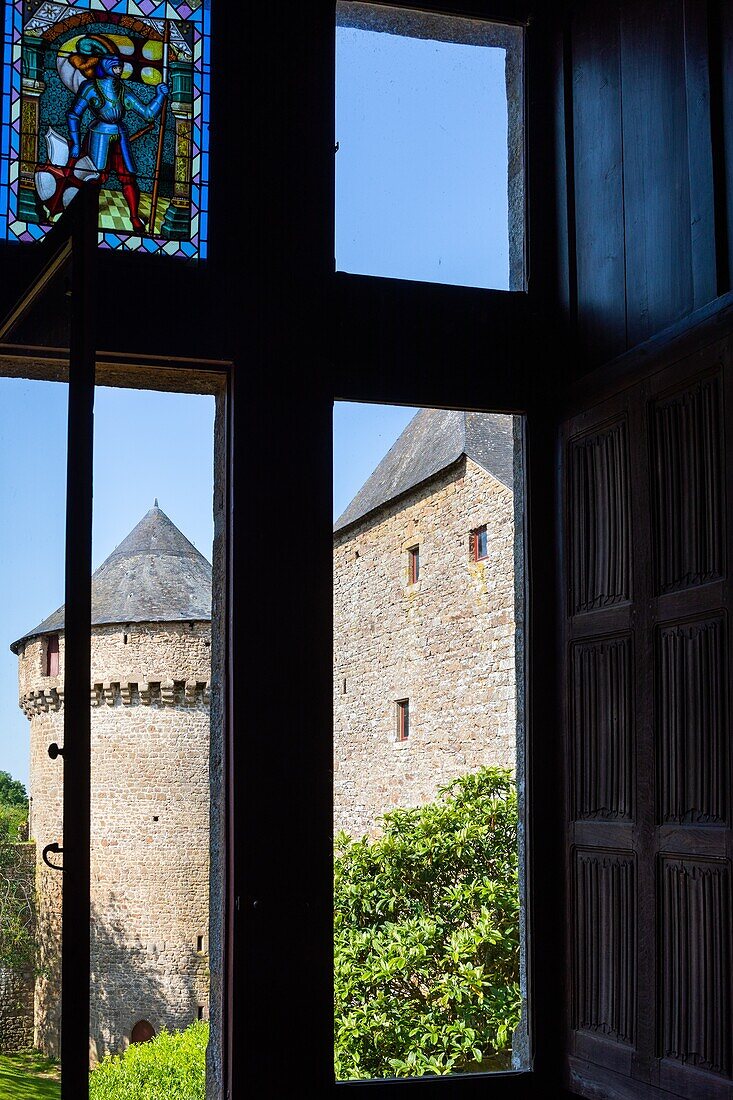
{"points": [[77, 724]]}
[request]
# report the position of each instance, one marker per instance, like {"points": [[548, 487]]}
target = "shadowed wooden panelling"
{"points": [[695, 962], [598, 173], [605, 959], [692, 728], [687, 471], [602, 722], [724, 58], [648, 109], [599, 508], [656, 173]]}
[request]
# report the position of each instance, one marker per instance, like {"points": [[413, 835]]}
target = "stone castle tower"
{"points": [[151, 659], [424, 617]]}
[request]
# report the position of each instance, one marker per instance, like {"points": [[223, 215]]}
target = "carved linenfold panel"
{"points": [[602, 729], [695, 964], [605, 944], [687, 472], [599, 518], [691, 725]]}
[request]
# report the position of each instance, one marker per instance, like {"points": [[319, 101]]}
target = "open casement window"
{"points": [[71, 921]]}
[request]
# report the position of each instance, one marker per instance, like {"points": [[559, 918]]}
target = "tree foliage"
{"points": [[170, 1067], [13, 808], [17, 909], [12, 792], [427, 936], [17, 891]]}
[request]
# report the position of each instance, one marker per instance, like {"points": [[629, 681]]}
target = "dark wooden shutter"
{"points": [[647, 685]]}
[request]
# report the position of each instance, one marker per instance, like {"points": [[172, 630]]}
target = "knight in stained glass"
{"points": [[107, 142], [81, 71]]}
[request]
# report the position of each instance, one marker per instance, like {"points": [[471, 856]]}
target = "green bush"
{"points": [[427, 936], [170, 1067], [13, 808]]}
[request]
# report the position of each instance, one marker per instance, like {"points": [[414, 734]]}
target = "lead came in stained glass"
{"points": [[112, 93]]}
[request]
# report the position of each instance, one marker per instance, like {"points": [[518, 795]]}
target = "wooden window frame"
{"points": [[402, 716], [72, 246], [314, 336], [474, 542], [413, 564], [51, 651]]}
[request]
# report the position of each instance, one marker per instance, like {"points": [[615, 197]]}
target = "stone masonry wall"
{"points": [[16, 989], [150, 828], [445, 643]]}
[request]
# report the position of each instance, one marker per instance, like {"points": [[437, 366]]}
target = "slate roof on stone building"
{"points": [[154, 575], [432, 441]]}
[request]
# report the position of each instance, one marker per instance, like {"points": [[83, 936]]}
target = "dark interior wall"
{"points": [[648, 103]]}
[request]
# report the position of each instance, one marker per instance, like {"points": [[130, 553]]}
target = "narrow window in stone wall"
{"points": [[403, 719], [413, 564], [52, 655], [479, 543]]}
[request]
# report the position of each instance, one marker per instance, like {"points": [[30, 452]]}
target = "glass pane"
{"points": [[429, 164], [33, 418], [151, 734], [427, 744], [110, 94]]}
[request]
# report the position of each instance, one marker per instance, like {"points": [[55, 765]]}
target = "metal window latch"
{"points": [[54, 850], [54, 751]]}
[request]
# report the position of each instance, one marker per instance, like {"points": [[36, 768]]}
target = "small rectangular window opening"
{"points": [[52, 655], [403, 719], [200, 1012], [480, 543], [199, 943], [413, 564]]}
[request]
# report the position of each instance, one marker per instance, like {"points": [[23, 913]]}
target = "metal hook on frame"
{"points": [[55, 850]]}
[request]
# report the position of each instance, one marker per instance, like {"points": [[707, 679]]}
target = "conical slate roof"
{"points": [[154, 575], [433, 440]]}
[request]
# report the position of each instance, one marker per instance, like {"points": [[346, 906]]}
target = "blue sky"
{"points": [[421, 194], [147, 445], [421, 170], [362, 435]]}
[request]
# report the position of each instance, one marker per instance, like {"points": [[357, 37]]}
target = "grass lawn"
{"points": [[28, 1076]]}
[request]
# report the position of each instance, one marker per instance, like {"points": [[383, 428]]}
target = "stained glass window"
{"points": [[113, 92]]}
